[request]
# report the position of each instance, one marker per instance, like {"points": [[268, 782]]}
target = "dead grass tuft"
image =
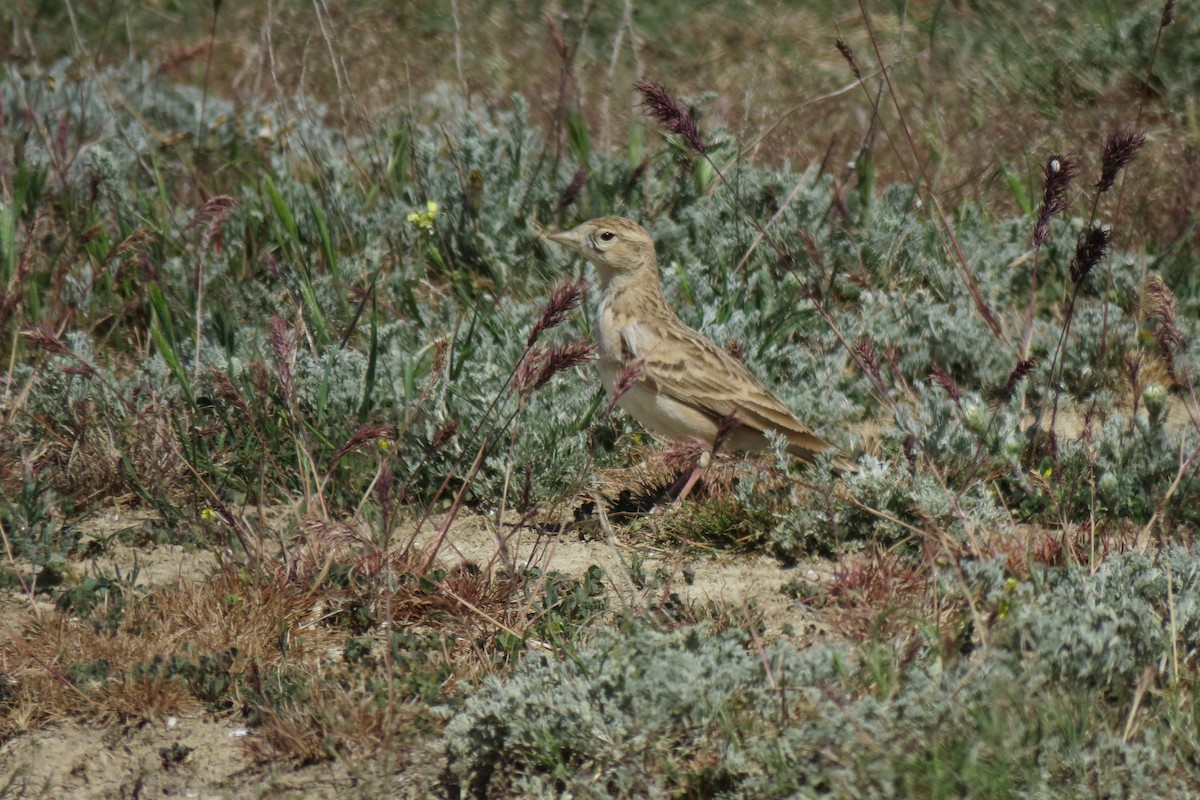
{"points": [[272, 645], [66, 667], [115, 450], [882, 595]]}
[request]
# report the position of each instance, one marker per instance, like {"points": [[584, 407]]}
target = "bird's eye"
{"points": [[607, 236]]}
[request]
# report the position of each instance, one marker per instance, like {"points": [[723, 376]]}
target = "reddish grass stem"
{"points": [[963, 268]]}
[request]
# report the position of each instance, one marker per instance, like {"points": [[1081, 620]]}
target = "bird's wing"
{"points": [[685, 366]]}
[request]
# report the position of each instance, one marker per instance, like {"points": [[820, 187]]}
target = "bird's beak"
{"points": [[571, 239]]}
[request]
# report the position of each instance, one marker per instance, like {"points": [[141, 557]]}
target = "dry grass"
{"points": [[776, 79], [223, 614], [267, 644], [307, 639]]}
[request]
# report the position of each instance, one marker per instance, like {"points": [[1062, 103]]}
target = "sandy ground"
{"points": [[203, 757]]}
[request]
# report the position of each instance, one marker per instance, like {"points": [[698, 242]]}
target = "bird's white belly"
{"points": [[618, 340], [659, 414]]}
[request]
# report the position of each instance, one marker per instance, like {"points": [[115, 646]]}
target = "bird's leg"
{"points": [[698, 469]]}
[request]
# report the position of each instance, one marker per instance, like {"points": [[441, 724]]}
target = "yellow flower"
{"points": [[207, 514], [424, 219], [1010, 585], [383, 444]]}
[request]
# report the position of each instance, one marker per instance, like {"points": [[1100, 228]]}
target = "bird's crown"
{"points": [[613, 244]]}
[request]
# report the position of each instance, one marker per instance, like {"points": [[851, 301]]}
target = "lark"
{"points": [[670, 378]]}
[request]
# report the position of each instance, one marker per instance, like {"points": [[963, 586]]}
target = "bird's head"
{"points": [[616, 246]]}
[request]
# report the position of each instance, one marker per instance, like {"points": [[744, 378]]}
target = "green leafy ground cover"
{"points": [[305, 322]]}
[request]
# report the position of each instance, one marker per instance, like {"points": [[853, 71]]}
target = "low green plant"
{"points": [[38, 526], [638, 711], [100, 599]]}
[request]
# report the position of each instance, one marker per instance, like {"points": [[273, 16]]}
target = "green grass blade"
{"points": [[8, 242], [325, 238], [579, 136], [364, 410], [283, 213], [162, 332], [1019, 190], [315, 315]]}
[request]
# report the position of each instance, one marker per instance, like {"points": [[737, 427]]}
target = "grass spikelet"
{"points": [[1057, 176], [670, 115], [848, 54], [209, 219], [364, 434], [543, 363], [1160, 309], [1021, 371], [571, 192], [564, 298], [130, 243], [443, 436], [1090, 250], [1122, 145], [44, 337], [629, 377], [864, 349], [939, 377], [283, 345]]}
